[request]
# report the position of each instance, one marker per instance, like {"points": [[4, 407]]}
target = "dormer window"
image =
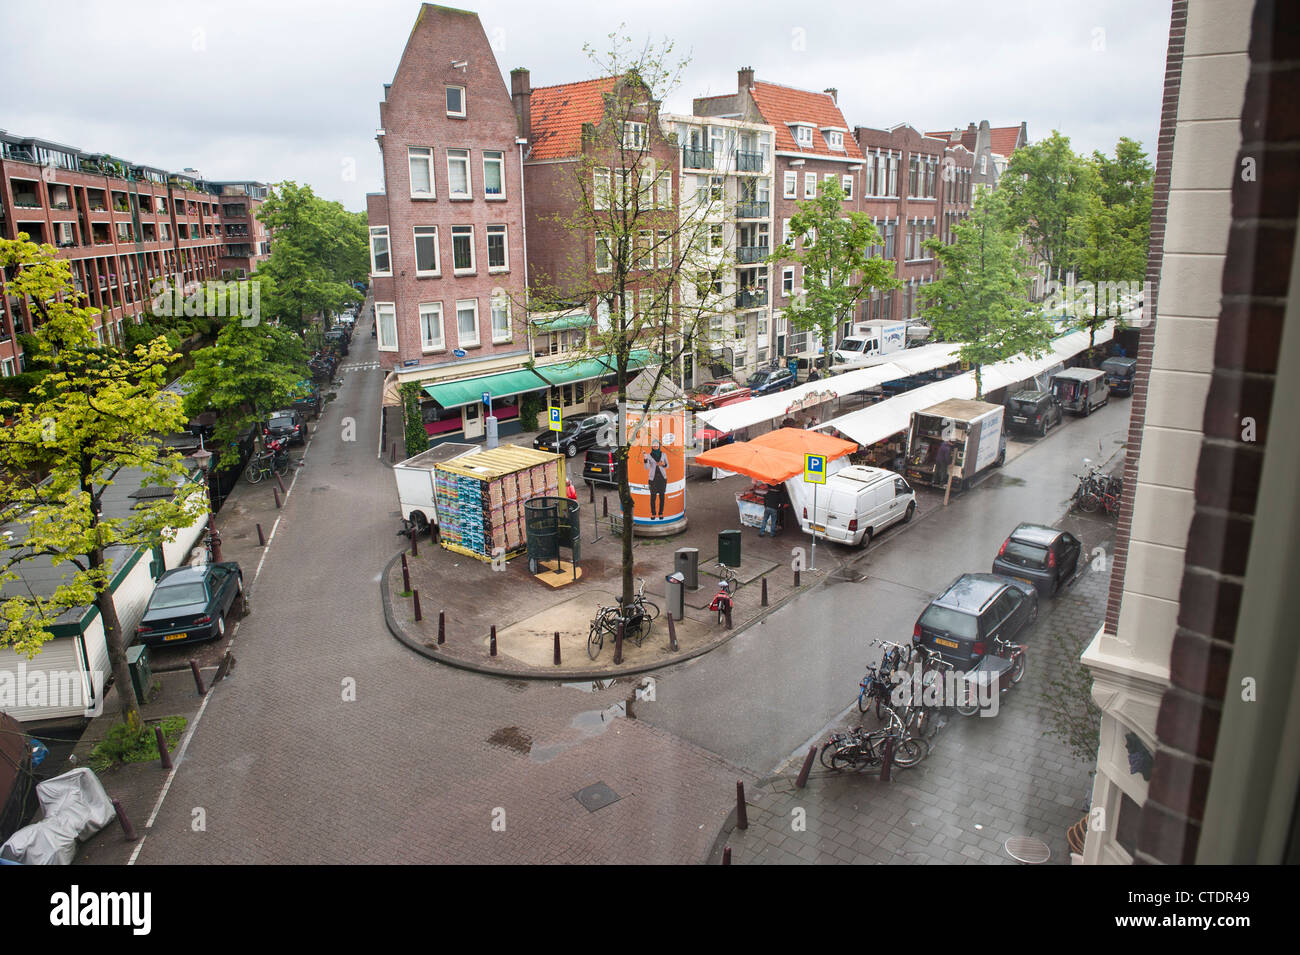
{"points": [[835, 140], [803, 135]]}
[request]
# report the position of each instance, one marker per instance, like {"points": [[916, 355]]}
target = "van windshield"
{"points": [[851, 344]]}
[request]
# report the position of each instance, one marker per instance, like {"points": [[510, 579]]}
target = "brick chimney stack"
{"points": [[521, 92], [833, 93], [744, 78]]}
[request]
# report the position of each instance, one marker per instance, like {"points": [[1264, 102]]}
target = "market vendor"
{"points": [[774, 500]]}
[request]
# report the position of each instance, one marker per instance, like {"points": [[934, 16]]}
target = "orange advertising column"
{"points": [[656, 469]]}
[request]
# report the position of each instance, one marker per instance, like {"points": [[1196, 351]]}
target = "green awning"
{"points": [[468, 391], [566, 372], [636, 360], [562, 323]]}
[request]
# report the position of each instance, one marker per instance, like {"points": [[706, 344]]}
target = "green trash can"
{"points": [[137, 661], [729, 548]]}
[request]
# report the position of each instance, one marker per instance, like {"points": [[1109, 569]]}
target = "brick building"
{"points": [[122, 226], [990, 148]]}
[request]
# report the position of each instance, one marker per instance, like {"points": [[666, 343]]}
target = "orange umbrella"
{"points": [[800, 442], [769, 465]]}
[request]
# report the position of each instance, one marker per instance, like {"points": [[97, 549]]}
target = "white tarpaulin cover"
{"points": [[75, 807]]}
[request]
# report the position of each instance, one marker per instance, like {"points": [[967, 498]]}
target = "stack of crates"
{"points": [[480, 498]]}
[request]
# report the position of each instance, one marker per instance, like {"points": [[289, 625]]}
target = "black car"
{"points": [[1120, 372], [602, 466], [577, 434], [768, 380], [286, 424], [1033, 411], [1043, 556], [962, 621], [190, 604]]}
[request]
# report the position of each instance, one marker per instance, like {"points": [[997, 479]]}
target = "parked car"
{"points": [[769, 380], [961, 622], [1043, 556], [1120, 372], [577, 434], [190, 604], [1033, 411], [857, 503], [1080, 390], [601, 466], [715, 394], [286, 424]]}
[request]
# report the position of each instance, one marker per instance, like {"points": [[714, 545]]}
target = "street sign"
{"points": [[814, 468], [459, 352], [556, 421], [487, 398]]}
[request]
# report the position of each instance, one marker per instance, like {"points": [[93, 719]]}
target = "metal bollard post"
{"points": [[415, 546], [261, 538], [557, 648], [406, 574], [415, 599], [726, 855], [887, 762], [392, 454], [277, 498], [279, 482], [492, 642], [672, 634], [604, 507], [162, 748], [796, 579], [128, 830], [198, 677], [742, 817], [592, 487], [728, 616], [618, 645], [802, 781], [764, 600], [442, 627]]}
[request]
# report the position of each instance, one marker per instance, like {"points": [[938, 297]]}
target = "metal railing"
{"points": [[751, 254], [752, 210], [749, 298], [749, 162], [693, 158]]}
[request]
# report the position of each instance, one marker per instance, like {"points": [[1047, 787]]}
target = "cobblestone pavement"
{"points": [[985, 780]]}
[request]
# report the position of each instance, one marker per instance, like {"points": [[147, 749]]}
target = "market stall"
{"points": [[480, 498]]}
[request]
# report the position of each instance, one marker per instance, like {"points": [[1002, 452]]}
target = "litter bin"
{"points": [[137, 661], [729, 548], [676, 596], [686, 561]]}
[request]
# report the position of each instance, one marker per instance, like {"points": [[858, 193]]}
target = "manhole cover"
{"points": [[596, 796], [1027, 849]]}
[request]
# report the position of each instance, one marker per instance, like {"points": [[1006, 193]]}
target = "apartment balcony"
{"points": [[753, 210], [751, 254], [751, 298], [696, 158], [26, 200], [749, 162]]}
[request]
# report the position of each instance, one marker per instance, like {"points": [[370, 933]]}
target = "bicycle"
{"points": [[919, 718], [857, 749], [878, 684], [729, 576], [636, 626]]}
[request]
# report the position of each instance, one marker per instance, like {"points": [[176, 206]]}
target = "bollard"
{"points": [[442, 627], [492, 642], [764, 600], [887, 761], [802, 781], [728, 616], [726, 855], [592, 488], [198, 677], [128, 830], [628, 712], [742, 817], [392, 454], [406, 574], [415, 546], [604, 507], [162, 748], [415, 598], [557, 648], [796, 579], [277, 498], [261, 538], [226, 663], [618, 645], [276, 475], [672, 634]]}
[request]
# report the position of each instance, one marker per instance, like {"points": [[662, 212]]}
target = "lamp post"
{"points": [[203, 458]]}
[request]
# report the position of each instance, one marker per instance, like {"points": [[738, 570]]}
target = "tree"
{"points": [[838, 269], [980, 297], [94, 419], [1046, 186], [250, 371], [417, 439], [637, 259]]}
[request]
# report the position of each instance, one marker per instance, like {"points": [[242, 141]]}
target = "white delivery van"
{"points": [[872, 338], [414, 478], [856, 503]]}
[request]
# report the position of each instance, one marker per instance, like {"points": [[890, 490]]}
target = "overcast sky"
{"points": [[284, 89]]}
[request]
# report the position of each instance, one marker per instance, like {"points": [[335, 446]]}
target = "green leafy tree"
{"points": [[980, 299], [1046, 186], [417, 439], [249, 372], [838, 269], [97, 414]]}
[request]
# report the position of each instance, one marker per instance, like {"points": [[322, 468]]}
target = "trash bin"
{"points": [[729, 548], [686, 561], [676, 596], [137, 661]]}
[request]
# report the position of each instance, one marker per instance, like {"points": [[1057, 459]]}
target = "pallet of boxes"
{"points": [[480, 499]]}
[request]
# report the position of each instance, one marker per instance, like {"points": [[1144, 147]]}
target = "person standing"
{"points": [[943, 462], [656, 468], [772, 501]]}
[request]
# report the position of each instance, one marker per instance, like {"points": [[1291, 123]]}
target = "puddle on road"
{"points": [[1003, 480], [589, 722]]}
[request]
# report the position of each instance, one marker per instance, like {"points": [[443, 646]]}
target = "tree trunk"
{"points": [[116, 649], [624, 488]]}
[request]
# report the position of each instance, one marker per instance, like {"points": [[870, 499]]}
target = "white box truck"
{"points": [[414, 478], [973, 432], [869, 339]]}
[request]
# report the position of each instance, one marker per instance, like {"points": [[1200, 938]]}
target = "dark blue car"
{"points": [[190, 604]]}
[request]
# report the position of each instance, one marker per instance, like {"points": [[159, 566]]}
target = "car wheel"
{"points": [[866, 539], [1033, 614], [1042, 429], [221, 626], [571, 451], [304, 433], [907, 515]]}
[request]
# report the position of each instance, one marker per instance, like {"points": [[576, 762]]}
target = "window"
{"points": [[835, 140], [663, 250], [785, 231], [635, 135], [455, 101], [431, 338], [715, 238], [664, 185], [501, 320], [458, 182], [467, 322], [462, 249], [386, 326], [601, 191], [420, 161], [803, 135], [791, 184], [847, 183], [810, 185], [913, 163], [715, 188], [893, 175], [426, 250], [494, 181], [603, 263], [787, 282], [380, 261], [498, 260], [984, 165]]}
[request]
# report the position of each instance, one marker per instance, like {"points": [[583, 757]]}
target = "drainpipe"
{"points": [[523, 228]]}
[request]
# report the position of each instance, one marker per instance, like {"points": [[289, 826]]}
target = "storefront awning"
{"points": [[563, 322], [468, 391], [567, 372]]}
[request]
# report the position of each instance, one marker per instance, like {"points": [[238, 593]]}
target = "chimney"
{"points": [[521, 92], [970, 128], [744, 78], [833, 93]]}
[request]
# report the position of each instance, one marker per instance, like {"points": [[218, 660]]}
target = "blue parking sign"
{"points": [[555, 417], [814, 468]]}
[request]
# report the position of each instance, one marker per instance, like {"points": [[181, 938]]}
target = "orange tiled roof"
{"points": [[1002, 139], [783, 104], [558, 112]]}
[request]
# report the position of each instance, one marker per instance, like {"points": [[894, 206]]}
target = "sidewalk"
{"points": [[985, 780]]}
